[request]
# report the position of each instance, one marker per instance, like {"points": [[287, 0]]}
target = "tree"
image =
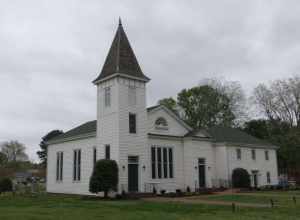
{"points": [[258, 128], [234, 92], [3, 159], [170, 103], [280, 101], [6, 185], [14, 151], [240, 178], [204, 106], [43, 145], [105, 177]]}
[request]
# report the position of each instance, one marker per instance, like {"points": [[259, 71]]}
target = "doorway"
{"points": [[133, 173], [201, 170], [255, 178]]}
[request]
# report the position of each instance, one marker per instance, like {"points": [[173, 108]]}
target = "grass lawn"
{"points": [[72, 208], [280, 199]]}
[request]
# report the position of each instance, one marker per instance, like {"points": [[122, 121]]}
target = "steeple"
{"points": [[121, 59]]}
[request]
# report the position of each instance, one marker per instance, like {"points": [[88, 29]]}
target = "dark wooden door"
{"points": [[201, 169], [133, 177]]}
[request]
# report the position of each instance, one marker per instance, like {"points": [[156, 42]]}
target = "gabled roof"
{"points": [[234, 135], [121, 59], [83, 129], [171, 113]]}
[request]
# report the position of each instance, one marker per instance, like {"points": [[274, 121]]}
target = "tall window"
{"points": [[59, 166], [238, 154], [132, 123], [161, 162], [165, 162], [267, 155], [94, 156], [107, 96], [131, 95], [253, 153], [107, 152], [170, 162], [153, 160], [268, 177], [77, 165]]}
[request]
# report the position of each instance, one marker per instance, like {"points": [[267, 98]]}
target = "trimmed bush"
{"points": [[6, 185], [240, 178], [105, 177]]}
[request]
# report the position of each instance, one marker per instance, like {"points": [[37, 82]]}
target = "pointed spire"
{"points": [[121, 59]]}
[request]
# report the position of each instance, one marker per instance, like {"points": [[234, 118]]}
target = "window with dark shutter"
{"points": [[59, 166], [77, 165], [170, 163], [107, 152], [253, 153], [94, 156], [159, 162], [153, 162], [132, 123], [267, 155], [165, 162]]}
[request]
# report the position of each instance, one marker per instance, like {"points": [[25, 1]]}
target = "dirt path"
{"points": [[201, 200]]}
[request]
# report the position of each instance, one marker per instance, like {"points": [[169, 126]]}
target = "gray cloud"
{"points": [[52, 50]]}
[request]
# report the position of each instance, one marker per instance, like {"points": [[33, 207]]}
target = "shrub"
{"points": [[105, 177], [6, 185], [240, 178]]}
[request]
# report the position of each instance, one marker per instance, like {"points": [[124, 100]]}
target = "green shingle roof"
{"points": [[86, 128], [233, 135]]}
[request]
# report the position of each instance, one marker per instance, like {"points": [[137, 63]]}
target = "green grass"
{"points": [[254, 199], [52, 207]]}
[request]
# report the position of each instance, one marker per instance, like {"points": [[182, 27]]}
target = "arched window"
{"points": [[161, 123]]}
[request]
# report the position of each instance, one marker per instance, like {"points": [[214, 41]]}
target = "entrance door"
{"points": [[255, 176], [133, 174], [201, 169]]}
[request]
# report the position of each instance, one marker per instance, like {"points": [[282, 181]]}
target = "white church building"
{"points": [[152, 146]]}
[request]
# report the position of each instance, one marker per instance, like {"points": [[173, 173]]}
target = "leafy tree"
{"points": [[105, 177], [3, 159], [14, 151], [204, 106], [43, 145], [258, 128], [6, 185], [170, 103], [240, 178]]}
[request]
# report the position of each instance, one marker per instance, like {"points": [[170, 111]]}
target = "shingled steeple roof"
{"points": [[121, 59]]}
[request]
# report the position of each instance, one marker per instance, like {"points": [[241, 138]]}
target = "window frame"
{"points": [[253, 154], [107, 96], [107, 151], [132, 124], [77, 165], [59, 166], [162, 162], [239, 154], [267, 156]]}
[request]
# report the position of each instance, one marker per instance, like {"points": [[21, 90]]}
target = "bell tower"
{"points": [[122, 113]]}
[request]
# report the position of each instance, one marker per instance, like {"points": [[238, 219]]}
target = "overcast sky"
{"points": [[50, 51]]}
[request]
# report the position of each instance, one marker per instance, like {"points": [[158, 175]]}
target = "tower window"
{"points": [[238, 154], [253, 153], [267, 155], [131, 95], [107, 152], [132, 123], [107, 97]]}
